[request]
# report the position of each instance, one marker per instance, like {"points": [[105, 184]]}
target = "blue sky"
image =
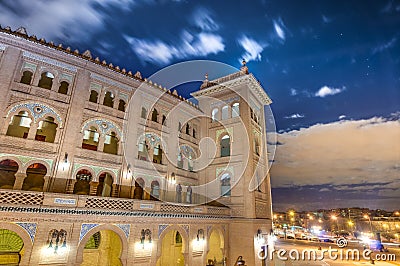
{"points": [[329, 66]]}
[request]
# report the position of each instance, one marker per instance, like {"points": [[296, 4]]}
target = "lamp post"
{"points": [[334, 218], [370, 223]]}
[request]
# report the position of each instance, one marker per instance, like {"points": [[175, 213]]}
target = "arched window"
{"points": [[164, 119], [47, 130], [26, 77], [225, 184], [108, 99], [157, 155], [180, 160], [190, 163], [46, 80], [179, 126], [178, 239], [144, 113], [34, 180], [155, 190], [138, 192], [8, 169], [214, 114], [63, 87], [90, 139], [19, 125], [194, 133], [94, 95], [235, 110], [187, 130], [143, 151], [111, 144], [225, 112], [154, 115], [225, 146], [104, 188], [82, 184], [257, 149], [121, 105]]}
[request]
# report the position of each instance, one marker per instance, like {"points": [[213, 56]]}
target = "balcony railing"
{"points": [[28, 144], [26, 200]]}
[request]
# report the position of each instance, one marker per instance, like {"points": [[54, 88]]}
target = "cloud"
{"points": [[384, 46], [293, 92], [202, 18], [294, 116], [362, 153], [74, 20], [280, 27], [326, 19], [342, 117], [253, 49], [326, 91], [159, 52]]}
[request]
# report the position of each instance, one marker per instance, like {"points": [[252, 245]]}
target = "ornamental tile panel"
{"points": [[49, 61], [30, 228], [85, 228], [126, 228], [37, 110], [161, 228]]}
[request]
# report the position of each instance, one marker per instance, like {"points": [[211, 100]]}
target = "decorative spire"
{"points": [[205, 82], [21, 30], [87, 54], [244, 69]]}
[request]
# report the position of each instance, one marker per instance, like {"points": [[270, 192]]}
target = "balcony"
{"points": [[28, 144], [41, 92], [98, 156], [105, 110], [46, 202]]}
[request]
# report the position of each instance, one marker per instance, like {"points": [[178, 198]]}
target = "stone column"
{"points": [[93, 188], [47, 181], [115, 191], [100, 146], [70, 186], [32, 130], [19, 181]]}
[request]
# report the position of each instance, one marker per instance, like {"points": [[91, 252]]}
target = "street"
{"points": [[336, 256]]}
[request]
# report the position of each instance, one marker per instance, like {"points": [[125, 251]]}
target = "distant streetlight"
{"points": [[370, 223], [397, 213], [334, 218]]}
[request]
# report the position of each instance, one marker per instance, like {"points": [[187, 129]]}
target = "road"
{"points": [[326, 258]]}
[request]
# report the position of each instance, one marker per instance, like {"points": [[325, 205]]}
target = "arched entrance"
{"points": [[103, 248], [171, 250], [104, 188], [34, 180], [139, 185], [8, 169], [215, 247], [82, 185], [11, 248]]}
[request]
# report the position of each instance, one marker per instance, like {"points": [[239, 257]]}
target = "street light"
{"points": [[370, 223], [334, 218]]}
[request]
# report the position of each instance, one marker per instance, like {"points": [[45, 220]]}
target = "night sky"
{"points": [[332, 69]]}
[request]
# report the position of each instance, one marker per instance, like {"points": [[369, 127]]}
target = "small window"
{"points": [[46, 80], [194, 133], [225, 112], [157, 155], [26, 77], [144, 113], [121, 105], [226, 185], [164, 119], [214, 114], [179, 126], [178, 239], [235, 110], [63, 89], [154, 116], [93, 96], [108, 99], [180, 161], [225, 146], [187, 131]]}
